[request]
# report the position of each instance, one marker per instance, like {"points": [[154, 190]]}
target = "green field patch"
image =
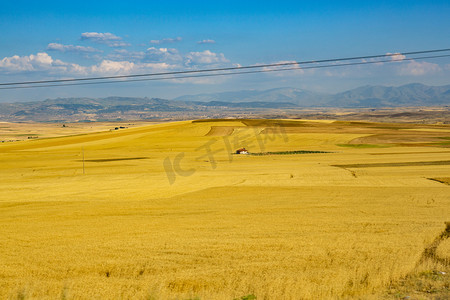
{"points": [[27, 134], [443, 144], [287, 152]]}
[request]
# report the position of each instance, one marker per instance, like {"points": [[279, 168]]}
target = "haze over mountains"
{"points": [[286, 95], [208, 105], [414, 94]]}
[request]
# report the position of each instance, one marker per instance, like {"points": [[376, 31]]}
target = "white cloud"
{"points": [[396, 56], [205, 57], [44, 63], [113, 67], [119, 62], [168, 55], [206, 42], [109, 67], [415, 68], [41, 62], [166, 41], [285, 64], [162, 54], [99, 37], [71, 48], [152, 54], [106, 38]]}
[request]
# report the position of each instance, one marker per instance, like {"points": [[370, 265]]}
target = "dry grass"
{"points": [[431, 278], [429, 281], [276, 227], [443, 250], [24, 131]]}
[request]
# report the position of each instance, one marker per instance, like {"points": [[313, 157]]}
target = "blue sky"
{"points": [[61, 39]]}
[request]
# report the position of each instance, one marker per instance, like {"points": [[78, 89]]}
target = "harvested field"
{"points": [[113, 159], [165, 211], [398, 164], [402, 137], [409, 153], [220, 131]]}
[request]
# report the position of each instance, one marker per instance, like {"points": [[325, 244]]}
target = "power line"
{"points": [[226, 69], [228, 74]]}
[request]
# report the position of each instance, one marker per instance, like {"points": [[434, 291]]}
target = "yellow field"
{"points": [[166, 212]]}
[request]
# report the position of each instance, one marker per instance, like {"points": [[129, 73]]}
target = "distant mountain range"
{"points": [[83, 109], [284, 95], [380, 96], [414, 94], [218, 104]]}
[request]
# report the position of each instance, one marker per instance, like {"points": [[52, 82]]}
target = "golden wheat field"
{"points": [[166, 211]]}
